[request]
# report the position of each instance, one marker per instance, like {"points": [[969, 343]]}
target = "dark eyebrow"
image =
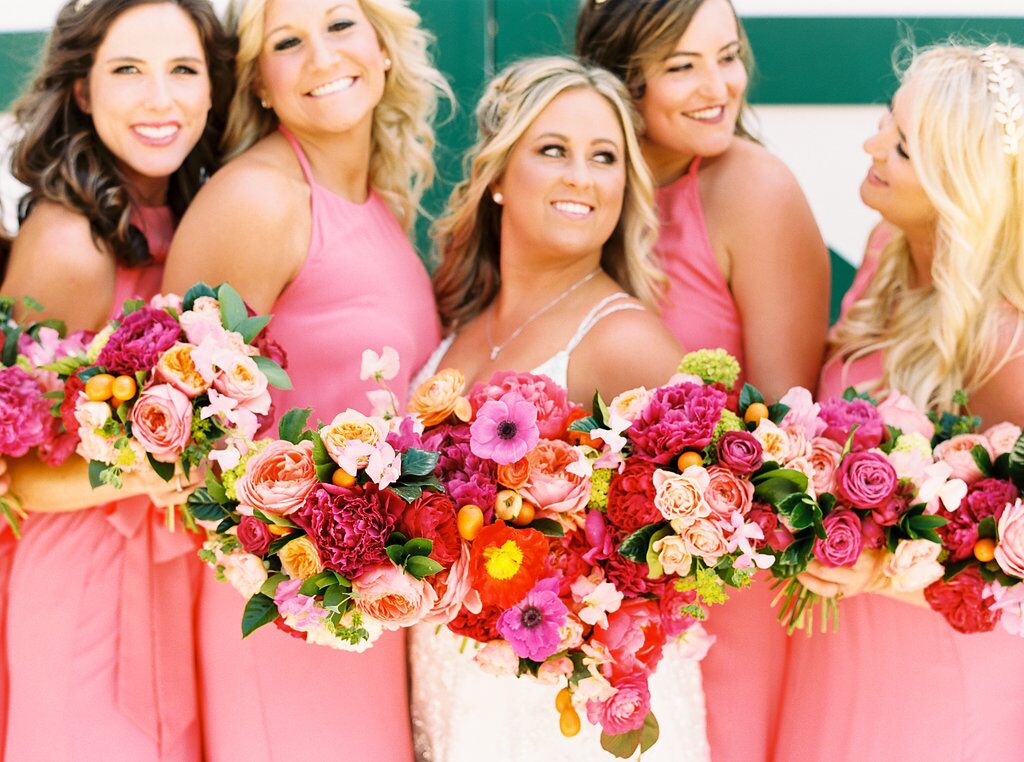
{"points": [[133, 60], [734, 43]]}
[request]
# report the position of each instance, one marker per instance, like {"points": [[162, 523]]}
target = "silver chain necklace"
{"points": [[496, 348]]}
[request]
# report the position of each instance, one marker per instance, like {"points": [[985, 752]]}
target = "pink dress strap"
{"points": [[316, 203]]}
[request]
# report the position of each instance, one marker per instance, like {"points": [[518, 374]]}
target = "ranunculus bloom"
{"points": [[680, 497], [626, 710], [383, 366], [803, 412], [843, 544], [558, 494], [254, 535], [548, 398], [778, 444], [957, 453], [176, 368], [1010, 550], [514, 475], [961, 601], [1002, 437], [299, 559], [676, 418], [437, 398], [161, 421], [740, 451], [241, 379], [914, 565], [531, 626], [631, 496], [841, 415], [392, 597], [139, 341], [825, 457], [24, 413], [899, 411], [350, 527], [727, 493], [506, 563], [865, 480], [278, 479], [504, 429], [433, 517]]}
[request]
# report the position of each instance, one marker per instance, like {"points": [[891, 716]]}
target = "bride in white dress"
{"points": [[546, 264]]}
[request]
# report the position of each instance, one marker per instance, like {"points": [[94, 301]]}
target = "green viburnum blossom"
{"points": [[714, 366], [599, 481], [232, 475], [728, 422]]}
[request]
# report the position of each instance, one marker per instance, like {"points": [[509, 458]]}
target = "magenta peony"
{"points": [[986, 497], [139, 341], [161, 421], [548, 398], [25, 420], [841, 415], [865, 480], [843, 544], [677, 417], [467, 478]]}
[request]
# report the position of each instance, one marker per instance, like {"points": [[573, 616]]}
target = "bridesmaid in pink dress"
{"points": [[331, 126], [747, 268], [117, 132], [941, 283]]}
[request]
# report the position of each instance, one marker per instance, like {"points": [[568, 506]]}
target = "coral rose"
{"points": [[177, 368], [727, 493], [558, 494], [161, 421], [392, 597], [957, 453], [278, 479]]}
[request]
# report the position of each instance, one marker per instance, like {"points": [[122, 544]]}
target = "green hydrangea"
{"points": [[98, 342], [599, 482], [728, 422], [714, 366], [232, 475], [913, 442]]}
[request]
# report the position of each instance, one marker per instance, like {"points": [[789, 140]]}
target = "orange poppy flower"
{"points": [[505, 563]]}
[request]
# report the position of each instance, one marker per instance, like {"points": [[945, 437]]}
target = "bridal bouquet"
{"points": [[593, 541], [165, 381], [28, 392], [983, 541]]}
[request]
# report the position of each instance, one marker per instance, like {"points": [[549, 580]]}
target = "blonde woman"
{"points": [[547, 265], [330, 130], [937, 306]]}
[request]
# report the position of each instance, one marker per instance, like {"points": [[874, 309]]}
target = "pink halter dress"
{"points": [[99, 622], [743, 671], [896, 681], [270, 696]]}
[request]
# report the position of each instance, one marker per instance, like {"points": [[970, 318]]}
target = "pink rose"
{"points": [[899, 411], [253, 535], [740, 451], [161, 421], [843, 544], [202, 320], [705, 539], [957, 453], [825, 457], [727, 493], [914, 565], [278, 479], [556, 492], [680, 497], [1010, 549], [1002, 437], [392, 597], [240, 379], [840, 416], [865, 480], [626, 709]]}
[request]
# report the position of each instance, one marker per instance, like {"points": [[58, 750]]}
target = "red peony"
{"points": [[72, 387], [631, 496], [960, 601], [629, 577], [139, 341], [433, 516], [482, 627], [987, 497]]}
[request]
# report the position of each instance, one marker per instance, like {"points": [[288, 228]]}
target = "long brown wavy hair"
{"points": [[60, 157]]}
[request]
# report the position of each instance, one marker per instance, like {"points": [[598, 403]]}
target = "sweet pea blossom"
{"points": [[803, 412], [380, 367], [742, 532], [939, 488], [612, 436], [598, 600]]}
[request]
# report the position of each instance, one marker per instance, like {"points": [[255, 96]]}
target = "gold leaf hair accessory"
{"points": [[1009, 110]]}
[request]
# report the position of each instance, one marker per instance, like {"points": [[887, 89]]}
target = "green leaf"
{"points": [[600, 410], [773, 490], [794, 559], [982, 459], [10, 351], [275, 373], [418, 546], [65, 366], [748, 396], [325, 466], [271, 518], [1016, 463], [987, 528], [164, 470], [848, 445], [199, 289], [649, 732], [419, 462], [826, 501], [96, 469], [232, 308], [293, 423], [635, 546], [215, 488], [396, 553], [622, 745], [9, 510], [132, 305], [584, 425], [259, 610], [280, 542], [547, 527], [954, 568], [408, 492], [250, 327], [397, 538], [32, 303], [270, 586], [1001, 467], [422, 566], [777, 412], [335, 596], [204, 506]]}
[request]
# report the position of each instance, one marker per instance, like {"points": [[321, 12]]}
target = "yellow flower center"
{"points": [[503, 562]]}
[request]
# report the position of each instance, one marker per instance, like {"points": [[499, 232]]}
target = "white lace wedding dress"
{"points": [[462, 714]]}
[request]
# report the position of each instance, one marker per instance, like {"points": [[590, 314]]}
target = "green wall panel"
{"points": [[19, 52]]}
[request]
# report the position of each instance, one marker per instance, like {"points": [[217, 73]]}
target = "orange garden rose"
{"points": [[505, 563], [439, 397], [177, 368], [299, 559], [515, 474]]}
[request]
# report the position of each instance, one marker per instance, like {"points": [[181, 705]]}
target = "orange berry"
{"points": [[563, 700], [689, 458], [581, 437], [569, 723], [526, 514], [470, 521], [123, 388], [99, 388], [985, 549], [755, 412], [342, 478], [507, 504]]}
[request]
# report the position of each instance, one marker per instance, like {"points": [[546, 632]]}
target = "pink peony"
{"points": [[865, 480], [825, 457], [1002, 437], [960, 600], [627, 708], [392, 597], [549, 399], [739, 451], [1010, 549], [556, 492], [843, 544], [432, 516], [957, 453], [254, 536], [278, 479], [350, 527], [24, 413], [900, 412], [139, 341], [840, 416], [727, 493], [532, 625], [634, 636], [504, 430], [676, 418], [161, 421]]}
